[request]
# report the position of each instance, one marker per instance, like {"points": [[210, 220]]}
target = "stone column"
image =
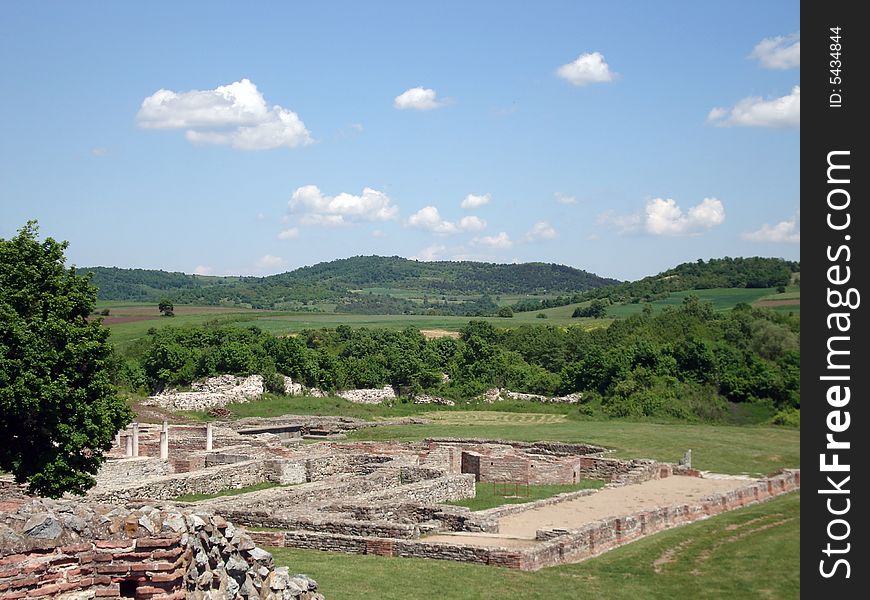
{"points": [[128, 442], [118, 438], [135, 439], [209, 438], [164, 445], [165, 426]]}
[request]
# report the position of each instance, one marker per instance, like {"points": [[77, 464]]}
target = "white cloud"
{"points": [[564, 198], [665, 217], [418, 98], [588, 68], [623, 223], [202, 270], [541, 230], [430, 253], [377, 233], [475, 200], [269, 263], [99, 152], [236, 115], [429, 218], [757, 112], [780, 52], [343, 209], [788, 231], [501, 241], [289, 234]]}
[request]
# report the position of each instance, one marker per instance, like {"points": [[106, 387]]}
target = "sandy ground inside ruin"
{"points": [[518, 530]]}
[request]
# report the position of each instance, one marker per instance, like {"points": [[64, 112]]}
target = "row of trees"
{"points": [[684, 362]]}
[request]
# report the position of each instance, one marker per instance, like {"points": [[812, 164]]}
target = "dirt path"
{"points": [[517, 529]]}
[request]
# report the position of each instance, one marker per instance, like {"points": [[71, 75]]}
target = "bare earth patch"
{"points": [[786, 302], [439, 333], [518, 529]]}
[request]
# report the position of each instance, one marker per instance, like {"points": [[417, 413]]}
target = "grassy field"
{"points": [[723, 449], [286, 323], [488, 495], [748, 553], [721, 298]]}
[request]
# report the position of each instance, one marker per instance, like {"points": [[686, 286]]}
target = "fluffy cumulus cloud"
{"points": [[541, 230], [430, 253], [588, 68], [475, 200], [788, 231], [315, 208], [418, 98], [203, 270], [564, 198], [502, 241], [665, 217], [235, 115], [429, 218], [758, 112], [289, 234], [780, 52]]}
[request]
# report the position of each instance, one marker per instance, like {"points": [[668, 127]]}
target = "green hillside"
{"points": [[350, 284]]}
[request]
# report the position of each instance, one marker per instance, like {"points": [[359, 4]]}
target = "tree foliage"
{"points": [[58, 408]]}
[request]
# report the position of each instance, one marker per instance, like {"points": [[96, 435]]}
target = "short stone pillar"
{"points": [[165, 425], [118, 438], [687, 459], [135, 440], [209, 438], [164, 445], [128, 443]]}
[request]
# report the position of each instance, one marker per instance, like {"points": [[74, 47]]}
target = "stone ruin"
{"points": [[216, 392], [383, 498], [78, 551]]}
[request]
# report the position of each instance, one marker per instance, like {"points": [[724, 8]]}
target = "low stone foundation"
{"points": [[551, 547]]}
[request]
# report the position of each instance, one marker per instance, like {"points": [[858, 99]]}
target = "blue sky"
{"points": [[621, 138]]}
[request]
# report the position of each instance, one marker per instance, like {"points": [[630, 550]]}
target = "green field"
{"points": [[724, 449], [747, 553], [721, 298], [488, 495]]}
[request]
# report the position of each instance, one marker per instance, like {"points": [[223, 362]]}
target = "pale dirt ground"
{"points": [[439, 333], [518, 530]]}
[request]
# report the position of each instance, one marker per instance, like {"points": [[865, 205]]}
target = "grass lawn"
{"points": [[747, 553], [489, 496], [231, 492]]}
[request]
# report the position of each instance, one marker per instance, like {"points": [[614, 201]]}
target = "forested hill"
{"points": [[338, 280], [753, 272]]}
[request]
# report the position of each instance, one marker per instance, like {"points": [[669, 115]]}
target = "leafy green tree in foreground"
{"points": [[58, 409]]}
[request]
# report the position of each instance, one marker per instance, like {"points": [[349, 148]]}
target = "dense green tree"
{"points": [[58, 409], [166, 308]]}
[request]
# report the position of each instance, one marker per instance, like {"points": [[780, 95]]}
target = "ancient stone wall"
{"points": [[554, 546], [86, 551], [205, 481]]}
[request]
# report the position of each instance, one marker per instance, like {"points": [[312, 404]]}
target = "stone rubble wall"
{"points": [[368, 396], [210, 392], [499, 394], [555, 546], [205, 481], [84, 551]]}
